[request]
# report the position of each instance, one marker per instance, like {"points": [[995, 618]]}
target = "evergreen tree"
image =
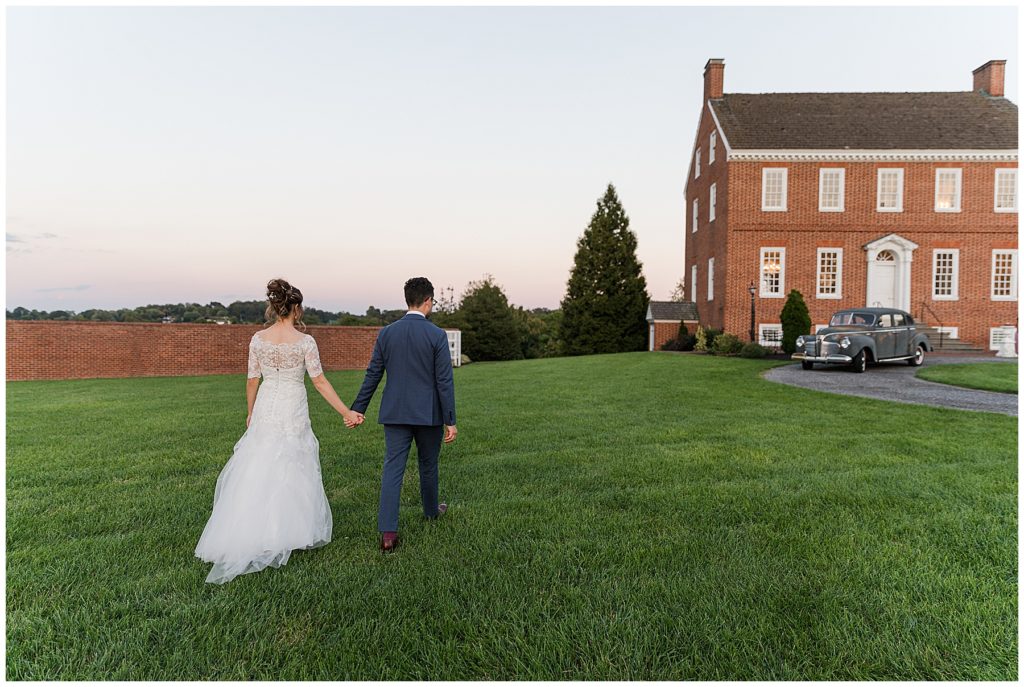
{"points": [[795, 320], [605, 306], [489, 327]]}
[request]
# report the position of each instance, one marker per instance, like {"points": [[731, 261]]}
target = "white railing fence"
{"points": [[455, 346]]}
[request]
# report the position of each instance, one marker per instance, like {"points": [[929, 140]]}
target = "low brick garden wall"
{"points": [[85, 350]]}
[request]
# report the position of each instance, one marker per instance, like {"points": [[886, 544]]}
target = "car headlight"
{"points": [[844, 342], [800, 341]]}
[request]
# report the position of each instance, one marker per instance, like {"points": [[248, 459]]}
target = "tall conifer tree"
{"points": [[605, 306]]}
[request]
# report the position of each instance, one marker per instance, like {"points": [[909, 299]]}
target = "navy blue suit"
{"points": [[419, 399]]}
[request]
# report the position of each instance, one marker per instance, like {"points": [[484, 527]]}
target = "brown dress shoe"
{"points": [[388, 541]]}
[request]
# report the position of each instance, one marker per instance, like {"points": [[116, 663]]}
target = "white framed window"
{"points": [[831, 189], [1004, 274], [830, 273], [712, 199], [711, 279], [693, 222], [1006, 190], [769, 335], [773, 189], [997, 336], [946, 274], [696, 164], [947, 189], [773, 272], [890, 190], [712, 142], [693, 283]]}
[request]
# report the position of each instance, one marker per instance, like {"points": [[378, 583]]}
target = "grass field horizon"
{"points": [[642, 516]]}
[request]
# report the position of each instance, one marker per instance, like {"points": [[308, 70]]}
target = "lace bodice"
{"points": [[267, 358]]}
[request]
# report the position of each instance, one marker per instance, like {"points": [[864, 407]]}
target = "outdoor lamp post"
{"points": [[753, 290]]}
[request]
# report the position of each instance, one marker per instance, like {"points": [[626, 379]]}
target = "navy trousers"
{"points": [[397, 442]]}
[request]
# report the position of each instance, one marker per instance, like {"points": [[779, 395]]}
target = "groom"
{"points": [[418, 403]]}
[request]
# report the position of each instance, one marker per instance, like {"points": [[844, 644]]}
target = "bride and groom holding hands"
{"points": [[270, 499]]}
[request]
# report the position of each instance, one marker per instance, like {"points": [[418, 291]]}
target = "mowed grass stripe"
{"points": [[637, 516]]}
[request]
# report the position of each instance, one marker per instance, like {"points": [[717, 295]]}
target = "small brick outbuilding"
{"points": [[663, 318]]}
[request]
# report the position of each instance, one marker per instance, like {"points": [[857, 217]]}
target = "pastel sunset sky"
{"points": [[177, 154]]}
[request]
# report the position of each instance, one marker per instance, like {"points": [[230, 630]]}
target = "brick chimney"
{"points": [[714, 76], [988, 78]]}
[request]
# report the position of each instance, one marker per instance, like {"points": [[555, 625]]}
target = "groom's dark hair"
{"points": [[417, 290]]}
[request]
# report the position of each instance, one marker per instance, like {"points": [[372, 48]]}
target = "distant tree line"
{"points": [[239, 312]]}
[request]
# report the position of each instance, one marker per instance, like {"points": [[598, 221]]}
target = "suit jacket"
{"points": [[420, 390]]}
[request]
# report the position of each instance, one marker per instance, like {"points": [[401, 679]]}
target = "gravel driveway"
{"points": [[897, 382]]}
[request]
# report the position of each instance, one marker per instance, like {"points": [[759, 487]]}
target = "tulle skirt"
{"points": [[269, 501]]}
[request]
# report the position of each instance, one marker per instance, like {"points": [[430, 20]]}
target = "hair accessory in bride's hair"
{"points": [[282, 298]]}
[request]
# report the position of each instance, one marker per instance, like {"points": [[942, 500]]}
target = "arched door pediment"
{"points": [[890, 259]]}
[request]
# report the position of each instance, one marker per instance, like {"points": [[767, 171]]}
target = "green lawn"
{"points": [[642, 516], [986, 376]]}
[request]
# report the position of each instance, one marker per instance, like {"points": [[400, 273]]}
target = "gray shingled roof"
{"points": [[675, 311], [869, 121]]}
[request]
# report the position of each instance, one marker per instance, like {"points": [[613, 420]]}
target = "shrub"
{"points": [[753, 350], [727, 344], [684, 340], [711, 335], [700, 343], [670, 345], [795, 320]]}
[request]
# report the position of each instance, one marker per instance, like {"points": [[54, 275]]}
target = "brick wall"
{"points": [[83, 350], [710, 238], [802, 229], [666, 331]]}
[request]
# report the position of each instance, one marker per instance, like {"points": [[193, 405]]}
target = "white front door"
{"points": [[882, 282]]}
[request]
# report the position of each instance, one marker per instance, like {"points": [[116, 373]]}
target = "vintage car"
{"points": [[859, 336]]}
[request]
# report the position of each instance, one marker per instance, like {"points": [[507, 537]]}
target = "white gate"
{"points": [[455, 346]]}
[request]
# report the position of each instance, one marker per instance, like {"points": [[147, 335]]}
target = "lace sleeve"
{"points": [[254, 360], [313, 366]]}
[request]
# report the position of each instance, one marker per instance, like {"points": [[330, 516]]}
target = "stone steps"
{"points": [[948, 345]]}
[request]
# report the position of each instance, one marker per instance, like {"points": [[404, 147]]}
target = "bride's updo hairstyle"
{"points": [[282, 300]]}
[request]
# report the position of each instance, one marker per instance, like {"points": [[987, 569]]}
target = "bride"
{"points": [[270, 497]]}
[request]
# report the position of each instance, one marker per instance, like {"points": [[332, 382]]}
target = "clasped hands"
{"points": [[353, 419]]}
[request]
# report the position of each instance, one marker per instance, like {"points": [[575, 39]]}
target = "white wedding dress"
{"points": [[270, 496]]}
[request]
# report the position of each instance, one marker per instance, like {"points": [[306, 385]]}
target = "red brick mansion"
{"points": [[905, 200]]}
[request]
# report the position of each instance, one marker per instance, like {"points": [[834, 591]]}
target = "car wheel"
{"points": [[806, 365], [860, 361], [918, 358]]}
